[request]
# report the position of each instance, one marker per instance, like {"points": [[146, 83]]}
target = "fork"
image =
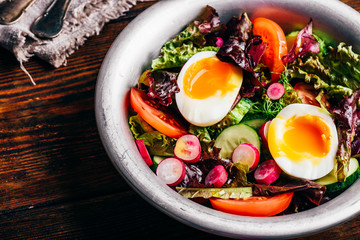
{"points": [[12, 10]]}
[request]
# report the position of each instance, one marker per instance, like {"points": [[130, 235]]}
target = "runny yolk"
{"points": [[307, 135], [210, 77]]}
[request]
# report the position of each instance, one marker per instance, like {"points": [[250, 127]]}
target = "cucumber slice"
{"points": [[255, 123], [233, 136], [156, 160], [331, 183]]}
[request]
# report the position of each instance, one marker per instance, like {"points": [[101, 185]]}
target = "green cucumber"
{"points": [[255, 123], [156, 160], [331, 183], [233, 136]]}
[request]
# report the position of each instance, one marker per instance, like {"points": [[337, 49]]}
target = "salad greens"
{"points": [[158, 144], [192, 40], [332, 74]]}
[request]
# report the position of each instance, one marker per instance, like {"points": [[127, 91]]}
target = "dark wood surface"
{"points": [[56, 180]]}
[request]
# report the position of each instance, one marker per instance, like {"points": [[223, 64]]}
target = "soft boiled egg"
{"points": [[303, 141], [208, 88]]}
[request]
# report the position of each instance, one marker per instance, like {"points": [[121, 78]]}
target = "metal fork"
{"points": [[12, 10], [50, 23]]}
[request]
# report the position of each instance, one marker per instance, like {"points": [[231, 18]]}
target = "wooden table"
{"points": [[56, 180]]}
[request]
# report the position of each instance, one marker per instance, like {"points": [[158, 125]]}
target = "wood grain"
{"points": [[56, 180]]}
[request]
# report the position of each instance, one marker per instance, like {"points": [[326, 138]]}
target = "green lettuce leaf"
{"points": [[233, 117], [191, 40], [337, 73], [224, 193], [237, 175], [138, 126], [175, 56], [158, 144], [204, 137]]}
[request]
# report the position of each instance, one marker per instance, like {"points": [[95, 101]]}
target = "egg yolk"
{"points": [[306, 136], [210, 77]]}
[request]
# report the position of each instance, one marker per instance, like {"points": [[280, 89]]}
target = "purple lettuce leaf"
{"points": [[241, 47], [313, 191], [162, 86], [305, 42], [207, 25], [197, 172], [355, 145], [347, 123]]}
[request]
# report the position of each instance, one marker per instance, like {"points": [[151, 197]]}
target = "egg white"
{"points": [[307, 167], [203, 112]]}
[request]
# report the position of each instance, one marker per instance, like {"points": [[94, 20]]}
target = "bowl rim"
{"points": [[112, 87]]}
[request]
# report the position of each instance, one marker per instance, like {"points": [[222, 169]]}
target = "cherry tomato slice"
{"points": [[274, 36], [307, 93], [254, 206], [155, 115]]}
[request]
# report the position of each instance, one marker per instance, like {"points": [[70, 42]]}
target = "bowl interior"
{"points": [[131, 54]]}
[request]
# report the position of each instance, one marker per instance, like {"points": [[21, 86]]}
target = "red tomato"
{"points": [[158, 117], [307, 93], [254, 206], [274, 36]]}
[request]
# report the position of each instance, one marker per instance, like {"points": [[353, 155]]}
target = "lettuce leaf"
{"points": [[346, 120], [313, 191], [191, 40], [241, 47], [204, 137], [157, 143], [337, 73], [305, 42], [173, 56], [138, 126], [163, 85], [235, 115], [224, 193]]}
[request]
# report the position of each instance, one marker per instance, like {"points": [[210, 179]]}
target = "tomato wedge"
{"points": [[155, 115], [254, 206], [307, 93], [274, 36]]}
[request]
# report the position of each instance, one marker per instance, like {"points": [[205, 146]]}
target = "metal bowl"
{"points": [[131, 54]]}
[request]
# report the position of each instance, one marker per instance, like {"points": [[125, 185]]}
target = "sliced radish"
{"points": [[219, 42], [358, 113], [171, 170], [144, 152], [188, 148], [275, 91], [267, 172], [263, 132], [247, 154], [216, 177]]}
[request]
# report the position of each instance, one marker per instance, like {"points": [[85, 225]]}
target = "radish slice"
{"points": [[267, 172], [188, 148], [216, 177], [144, 152], [171, 170], [247, 154], [263, 132], [219, 42], [275, 91]]}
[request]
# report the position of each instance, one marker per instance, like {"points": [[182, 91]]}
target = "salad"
{"points": [[249, 120]]}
